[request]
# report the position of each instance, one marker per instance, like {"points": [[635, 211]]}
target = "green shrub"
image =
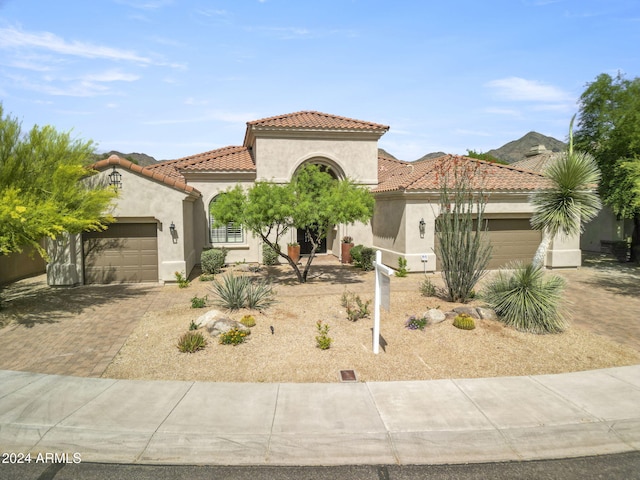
{"points": [[323, 341], [464, 322], [523, 298], [193, 326], [269, 255], [248, 321], [363, 257], [234, 336], [207, 277], [427, 288], [199, 302], [402, 271], [183, 282], [356, 254], [356, 308], [416, 323], [239, 292], [212, 260], [191, 342]]}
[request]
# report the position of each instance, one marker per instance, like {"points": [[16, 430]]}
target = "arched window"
{"points": [[231, 233]]}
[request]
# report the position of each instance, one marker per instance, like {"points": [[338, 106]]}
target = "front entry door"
{"points": [[305, 243]]}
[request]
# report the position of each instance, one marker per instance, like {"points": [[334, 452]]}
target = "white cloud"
{"points": [[520, 89], [11, 38]]}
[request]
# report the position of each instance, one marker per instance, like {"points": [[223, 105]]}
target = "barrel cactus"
{"points": [[464, 322]]}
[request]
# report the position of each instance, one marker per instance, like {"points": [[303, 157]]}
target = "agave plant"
{"points": [[527, 299]]}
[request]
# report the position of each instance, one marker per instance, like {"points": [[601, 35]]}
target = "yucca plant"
{"points": [[259, 295], [232, 291], [239, 292], [527, 299], [570, 202]]}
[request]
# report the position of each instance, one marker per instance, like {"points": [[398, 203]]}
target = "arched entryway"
{"points": [[302, 237]]}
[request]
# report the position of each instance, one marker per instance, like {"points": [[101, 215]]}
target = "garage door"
{"points": [[125, 252], [512, 240]]}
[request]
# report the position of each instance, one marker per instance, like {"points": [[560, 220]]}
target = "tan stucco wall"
{"points": [[250, 250], [396, 229], [277, 159], [145, 200]]}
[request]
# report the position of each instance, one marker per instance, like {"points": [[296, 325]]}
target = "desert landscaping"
{"points": [[289, 354]]}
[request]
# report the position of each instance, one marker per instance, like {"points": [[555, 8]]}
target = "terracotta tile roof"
{"points": [[227, 159], [537, 163], [157, 175], [387, 165], [316, 120], [424, 175]]}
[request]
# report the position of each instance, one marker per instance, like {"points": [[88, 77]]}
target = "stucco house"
{"points": [[163, 224]]}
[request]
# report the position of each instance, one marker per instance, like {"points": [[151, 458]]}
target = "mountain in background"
{"points": [[141, 159], [431, 155], [517, 150], [512, 151]]}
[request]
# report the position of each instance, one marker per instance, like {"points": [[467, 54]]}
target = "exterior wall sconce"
{"points": [[115, 179], [421, 227], [172, 228]]}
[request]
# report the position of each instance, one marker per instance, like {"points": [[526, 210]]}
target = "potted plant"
{"points": [[347, 245], [293, 250]]}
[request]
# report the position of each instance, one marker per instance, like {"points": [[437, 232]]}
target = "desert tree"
{"points": [[313, 201], [41, 189]]}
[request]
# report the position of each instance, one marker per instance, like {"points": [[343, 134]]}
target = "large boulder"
{"points": [[223, 325], [210, 317]]}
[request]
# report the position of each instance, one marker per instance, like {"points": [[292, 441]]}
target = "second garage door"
{"points": [[512, 239], [125, 252]]}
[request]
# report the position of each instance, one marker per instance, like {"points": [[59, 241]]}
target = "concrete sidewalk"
{"points": [[423, 422]]}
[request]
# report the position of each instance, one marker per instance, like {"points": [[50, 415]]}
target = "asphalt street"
{"points": [[624, 466]]}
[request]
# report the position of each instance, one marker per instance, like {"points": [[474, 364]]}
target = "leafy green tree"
{"points": [[570, 202], [485, 156], [41, 192], [609, 129], [313, 201]]}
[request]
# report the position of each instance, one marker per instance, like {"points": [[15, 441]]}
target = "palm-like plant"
{"points": [[523, 297], [570, 202]]}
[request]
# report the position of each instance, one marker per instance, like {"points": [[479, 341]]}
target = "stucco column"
{"points": [[65, 260]]}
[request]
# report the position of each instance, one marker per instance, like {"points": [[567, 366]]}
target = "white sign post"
{"points": [[382, 297]]}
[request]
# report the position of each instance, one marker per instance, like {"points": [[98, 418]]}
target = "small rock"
{"points": [[487, 313], [434, 316], [471, 311]]}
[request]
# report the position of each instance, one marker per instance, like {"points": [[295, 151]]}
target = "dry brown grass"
{"points": [[290, 354]]}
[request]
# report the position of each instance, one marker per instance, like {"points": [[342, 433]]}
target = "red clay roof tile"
{"points": [[158, 175], [426, 175], [317, 120]]}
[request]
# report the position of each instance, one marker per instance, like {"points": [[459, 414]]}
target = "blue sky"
{"points": [[173, 78]]}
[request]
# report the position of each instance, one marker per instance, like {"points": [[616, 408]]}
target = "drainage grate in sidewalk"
{"points": [[348, 376]]}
